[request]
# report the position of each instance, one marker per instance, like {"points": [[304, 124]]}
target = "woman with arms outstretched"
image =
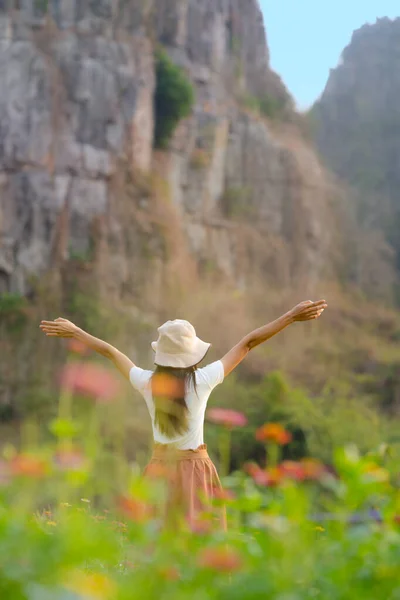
{"points": [[177, 391]]}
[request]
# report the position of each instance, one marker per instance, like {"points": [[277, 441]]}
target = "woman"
{"points": [[176, 394]]}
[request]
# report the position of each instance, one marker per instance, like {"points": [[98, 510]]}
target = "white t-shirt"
{"points": [[206, 380]]}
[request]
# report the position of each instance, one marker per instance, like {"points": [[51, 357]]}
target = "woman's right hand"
{"points": [[59, 328], [308, 310]]}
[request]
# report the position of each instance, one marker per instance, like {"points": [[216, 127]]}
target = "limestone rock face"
{"points": [[358, 125], [76, 109]]}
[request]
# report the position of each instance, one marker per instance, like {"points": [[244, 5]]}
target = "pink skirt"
{"points": [[193, 483]]}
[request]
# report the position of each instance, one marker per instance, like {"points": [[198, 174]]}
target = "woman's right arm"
{"points": [[66, 329], [305, 311]]}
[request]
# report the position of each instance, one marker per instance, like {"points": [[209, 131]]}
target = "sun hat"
{"points": [[178, 345]]}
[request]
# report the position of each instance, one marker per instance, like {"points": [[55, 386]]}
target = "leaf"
{"points": [[64, 428]]}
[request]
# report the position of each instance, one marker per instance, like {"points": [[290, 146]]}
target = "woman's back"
{"points": [[196, 398]]}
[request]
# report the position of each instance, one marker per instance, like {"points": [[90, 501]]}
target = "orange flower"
{"points": [[165, 385], [135, 510], [228, 418], [313, 469], [90, 380], [222, 559], [273, 432], [77, 347], [169, 573], [28, 466], [396, 519]]}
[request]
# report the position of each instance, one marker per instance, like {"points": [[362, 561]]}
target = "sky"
{"points": [[307, 37]]}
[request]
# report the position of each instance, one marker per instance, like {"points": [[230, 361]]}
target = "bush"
{"points": [[174, 98]]}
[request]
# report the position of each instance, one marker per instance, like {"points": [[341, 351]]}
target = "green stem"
{"points": [[225, 451], [273, 454]]}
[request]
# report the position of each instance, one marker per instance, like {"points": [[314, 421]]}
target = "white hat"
{"points": [[178, 345]]}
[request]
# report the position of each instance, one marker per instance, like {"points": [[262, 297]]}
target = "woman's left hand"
{"points": [[308, 310], [59, 328]]}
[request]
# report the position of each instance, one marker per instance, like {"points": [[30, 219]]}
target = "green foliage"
{"points": [[266, 105], [84, 308], [90, 525], [13, 315], [174, 98], [41, 6], [318, 425]]}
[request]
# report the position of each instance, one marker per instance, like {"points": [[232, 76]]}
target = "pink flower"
{"points": [[69, 459], [269, 477], [200, 525], [226, 417], [90, 380], [77, 347]]}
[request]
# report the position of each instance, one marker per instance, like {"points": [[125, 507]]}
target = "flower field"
{"points": [[77, 522]]}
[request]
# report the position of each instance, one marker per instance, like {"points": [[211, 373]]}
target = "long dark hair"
{"points": [[169, 389]]}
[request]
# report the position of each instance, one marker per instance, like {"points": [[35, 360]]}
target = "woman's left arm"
{"points": [[66, 329]]}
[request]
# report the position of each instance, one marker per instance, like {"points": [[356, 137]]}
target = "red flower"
{"points": [[77, 347], [90, 380], [223, 495], [273, 432], [228, 418], [222, 559], [135, 510], [251, 468], [28, 466], [266, 477], [292, 470]]}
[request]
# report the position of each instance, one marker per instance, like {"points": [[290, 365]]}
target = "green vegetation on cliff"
{"points": [[174, 98]]}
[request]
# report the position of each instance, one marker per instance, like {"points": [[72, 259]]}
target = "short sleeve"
{"points": [[211, 375], [139, 378]]}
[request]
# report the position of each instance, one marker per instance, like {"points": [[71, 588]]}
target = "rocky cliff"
{"points": [[78, 173], [358, 125]]}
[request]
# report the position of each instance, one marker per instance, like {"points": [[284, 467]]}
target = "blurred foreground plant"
{"points": [[76, 525]]}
